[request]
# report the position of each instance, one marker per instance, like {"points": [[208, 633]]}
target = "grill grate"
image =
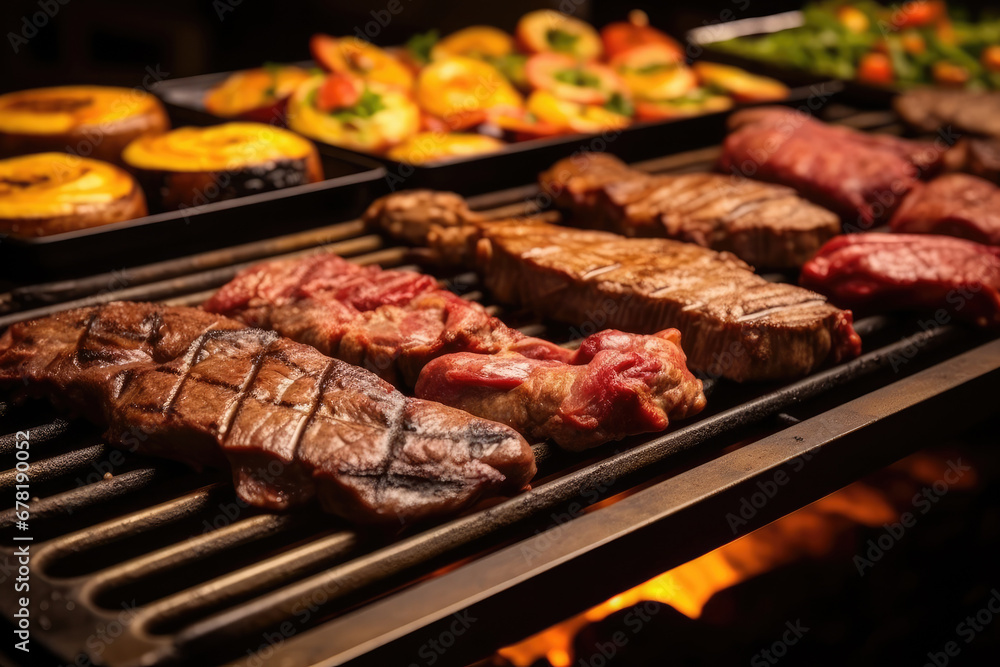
{"points": [[154, 564]]}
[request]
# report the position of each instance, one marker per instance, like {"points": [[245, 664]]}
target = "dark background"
{"points": [[114, 41]]}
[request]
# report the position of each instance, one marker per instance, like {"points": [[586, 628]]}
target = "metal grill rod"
{"points": [[257, 615]]}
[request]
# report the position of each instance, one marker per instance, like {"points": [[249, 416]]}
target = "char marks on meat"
{"points": [[763, 224], [734, 323], [293, 424], [954, 204], [404, 327], [859, 176], [910, 272]]}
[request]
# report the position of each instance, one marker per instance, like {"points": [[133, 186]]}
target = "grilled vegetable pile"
{"points": [[475, 89], [914, 43]]}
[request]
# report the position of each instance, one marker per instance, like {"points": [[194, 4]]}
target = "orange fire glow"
{"points": [[813, 531]]}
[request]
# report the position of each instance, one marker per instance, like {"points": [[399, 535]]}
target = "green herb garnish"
{"points": [[512, 67], [273, 70], [420, 45], [620, 104], [577, 77], [654, 68], [367, 106], [561, 41]]}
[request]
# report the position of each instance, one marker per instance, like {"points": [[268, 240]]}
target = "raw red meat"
{"points": [[860, 176], [954, 277], [954, 204]]}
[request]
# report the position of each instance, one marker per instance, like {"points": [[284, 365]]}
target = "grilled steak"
{"points": [[453, 351], [763, 224], [982, 158], [439, 221], [859, 176], [957, 278], [953, 204], [974, 115], [734, 323], [966, 111], [979, 156], [615, 385], [389, 322], [293, 424], [411, 214]]}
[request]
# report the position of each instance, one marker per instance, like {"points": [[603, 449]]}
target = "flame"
{"points": [[813, 531]]}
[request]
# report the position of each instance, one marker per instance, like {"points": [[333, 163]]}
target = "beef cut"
{"points": [[734, 323], [857, 175], [389, 322], [404, 327], [958, 278], [438, 221], [616, 384], [959, 111], [954, 204], [979, 156], [412, 214], [294, 425], [763, 224]]}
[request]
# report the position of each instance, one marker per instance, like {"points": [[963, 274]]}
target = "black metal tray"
{"points": [[852, 92], [349, 186], [517, 163]]}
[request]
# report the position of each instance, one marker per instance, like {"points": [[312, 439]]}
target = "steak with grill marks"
{"points": [[293, 424], [763, 224], [859, 176], [734, 323], [954, 205], [615, 385], [956, 278]]}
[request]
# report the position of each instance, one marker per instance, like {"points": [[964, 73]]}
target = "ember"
{"points": [[832, 529]]}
